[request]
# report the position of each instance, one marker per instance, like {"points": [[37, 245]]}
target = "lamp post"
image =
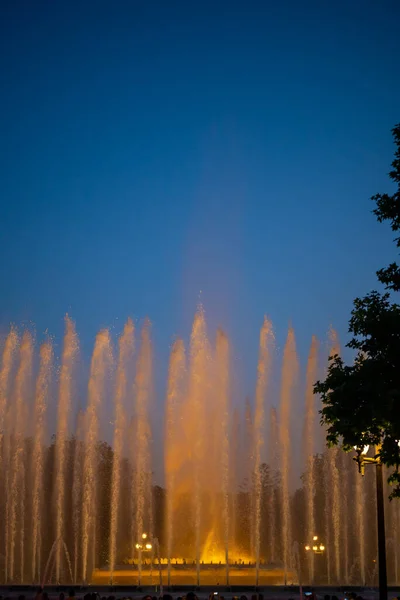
{"points": [[362, 460], [316, 546], [140, 547], [146, 546]]}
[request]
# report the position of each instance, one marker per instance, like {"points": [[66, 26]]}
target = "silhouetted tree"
{"points": [[361, 402]]}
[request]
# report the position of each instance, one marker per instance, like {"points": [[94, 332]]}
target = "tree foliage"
{"points": [[361, 402]]}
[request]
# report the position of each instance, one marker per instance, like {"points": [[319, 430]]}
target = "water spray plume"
{"points": [[196, 423], [142, 484], [288, 385], [6, 366], [273, 456], [99, 369], [77, 488], [222, 398], [8, 356], [333, 477], [17, 492], [263, 370], [65, 393], [41, 403], [176, 373], [125, 354], [308, 444]]}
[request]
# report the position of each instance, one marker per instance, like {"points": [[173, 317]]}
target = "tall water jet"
{"points": [[143, 386], [249, 470], [327, 515], [289, 380], [10, 346], [333, 477], [195, 424], [22, 382], [99, 368], [125, 353], [77, 477], [360, 523], [344, 521], [308, 445], [222, 398], [263, 369], [41, 402], [235, 471], [69, 353], [334, 487], [273, 454], [174, 390]]}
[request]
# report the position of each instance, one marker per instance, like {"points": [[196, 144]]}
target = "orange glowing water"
{"points": [[309, 445], [100, 365], [288, 385], [65, 393], [229, 494], [125, 354], [41, 403]]}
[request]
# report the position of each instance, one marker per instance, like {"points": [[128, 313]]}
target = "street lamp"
{"points": [[316, 547], [147, 546], [362, 460]]}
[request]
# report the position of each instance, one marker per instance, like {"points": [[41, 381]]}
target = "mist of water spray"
{"points": [[99, 368], [207, 513], [22, 382], [9, 351], [333, 478], [327, 516], [142, 486], [77, 488], [344, 517], [174, 390], [308, 445], [197, 390], [273, 454], [125, 354], [70, 350], [263, 369], [222, 398], [10, 347], [249, 468], [360, 523], [235, 472], [41, 402], [289, 381]]}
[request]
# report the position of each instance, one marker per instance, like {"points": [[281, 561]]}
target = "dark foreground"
{"points": [[228, 593]]}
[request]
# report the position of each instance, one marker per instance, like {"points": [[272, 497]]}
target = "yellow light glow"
{"points": [[315, 538], [307, 547], [144, 536], [148, 546], [363, 450], [315, 548], [322, 547], [138, 546]]}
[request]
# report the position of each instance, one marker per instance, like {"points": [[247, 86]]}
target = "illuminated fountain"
{"points": [[244, 485]]}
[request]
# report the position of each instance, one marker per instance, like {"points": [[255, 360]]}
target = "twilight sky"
{"points": [[153, 149]]}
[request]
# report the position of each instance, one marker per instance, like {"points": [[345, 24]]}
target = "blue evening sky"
{"points": [[156, 152]]}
